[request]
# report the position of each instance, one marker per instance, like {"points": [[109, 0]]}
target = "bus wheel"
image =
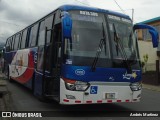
{"points": [[43, 99]]}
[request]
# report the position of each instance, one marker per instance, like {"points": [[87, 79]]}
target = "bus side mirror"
{"points": [[152, 31], [66, 25]]}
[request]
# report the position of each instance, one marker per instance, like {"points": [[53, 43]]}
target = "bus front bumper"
{"points": [[99, 92]]}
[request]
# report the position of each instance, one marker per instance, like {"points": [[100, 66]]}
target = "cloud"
{"points": [[17, 14]]}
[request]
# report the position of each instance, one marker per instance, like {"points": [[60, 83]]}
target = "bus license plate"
{"points": [[110, 95]]}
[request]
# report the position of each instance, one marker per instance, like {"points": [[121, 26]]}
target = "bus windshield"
{"points": [[87, 32], [123, 40]]}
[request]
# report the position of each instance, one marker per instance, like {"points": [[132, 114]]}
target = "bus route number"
{"points": [[88, 13]]}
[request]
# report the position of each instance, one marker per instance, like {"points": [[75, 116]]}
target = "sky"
{"points": [[17, 14]]}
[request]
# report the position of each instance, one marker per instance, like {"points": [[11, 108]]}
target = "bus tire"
{"points": [[42, 99]]}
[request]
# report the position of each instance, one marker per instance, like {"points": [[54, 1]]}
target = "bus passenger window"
{"points": [[41, 37], [16, 41], [7, 45], [40, 58], [57, 39], [57, 17], [24, 36], [33, 36], [13, 38], [48, 24], [11, 44]]}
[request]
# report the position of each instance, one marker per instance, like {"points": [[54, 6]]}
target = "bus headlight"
{"points": [[74, 85], [136, 86]]}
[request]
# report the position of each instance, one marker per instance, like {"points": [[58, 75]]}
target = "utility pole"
{"points": [[132, 15]]}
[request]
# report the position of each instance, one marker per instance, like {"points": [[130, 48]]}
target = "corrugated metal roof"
{"points": [[151, 20]]}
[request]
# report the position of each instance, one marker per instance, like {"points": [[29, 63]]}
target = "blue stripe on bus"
{"points": [[75, 7], [101, 74]]}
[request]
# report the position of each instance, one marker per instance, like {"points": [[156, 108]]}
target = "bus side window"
{"points": [[57, 17], [41, 37], [20, 39], [41, 40], [57, 43], [10, 44], [57, 38], [13, 39], [33, 35], [16, 41], [7, 45], [49, 24], [23, 41]]}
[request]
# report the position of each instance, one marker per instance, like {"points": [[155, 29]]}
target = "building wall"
{"points": [[145, 47], [154, 23], [140, 32]]}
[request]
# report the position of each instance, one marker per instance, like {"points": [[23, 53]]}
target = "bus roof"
{"points": [[76, 7]]}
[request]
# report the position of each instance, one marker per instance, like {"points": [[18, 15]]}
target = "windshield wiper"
{"points": [[101, 44], [120, 46]]}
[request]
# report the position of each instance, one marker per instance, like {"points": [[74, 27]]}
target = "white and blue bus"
{"points": [[78, 55]]}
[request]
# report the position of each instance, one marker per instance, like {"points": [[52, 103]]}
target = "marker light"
{"points": [[74, 85], [70, 97]]}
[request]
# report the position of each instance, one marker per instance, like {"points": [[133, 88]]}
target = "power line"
{"points": [[119, 7], [123, 9], [10, 23], [132, 10], [82, 2]]}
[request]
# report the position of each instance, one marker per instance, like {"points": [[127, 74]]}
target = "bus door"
{"points": [[43, 66], [52, 62], [56, 58], [49, 59]]}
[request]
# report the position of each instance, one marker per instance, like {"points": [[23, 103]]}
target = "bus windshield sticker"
{"points": [[93, 89], [119, 19], [114, 17], [68, 61], [87, 18], [129, 76], [88, 13], [126, 20]]}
